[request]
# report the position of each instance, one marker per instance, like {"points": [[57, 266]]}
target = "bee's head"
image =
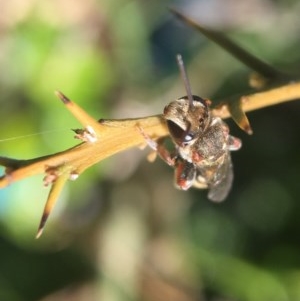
{"points": [[187, 120]]}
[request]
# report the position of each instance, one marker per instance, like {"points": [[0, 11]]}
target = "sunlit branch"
{"points": [[255, 101], [104, 138], [107, 137]]}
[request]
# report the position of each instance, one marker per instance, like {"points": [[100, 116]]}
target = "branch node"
{"points": [[86, 135]]}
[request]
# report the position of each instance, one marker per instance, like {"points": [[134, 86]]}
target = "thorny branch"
{"points": [[104, 138]]}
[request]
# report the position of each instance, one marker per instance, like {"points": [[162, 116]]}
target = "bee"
{"points": [[203, 145]]}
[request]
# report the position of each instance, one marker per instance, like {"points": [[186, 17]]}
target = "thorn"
{"points": [[55, 190], [5, 180], [40, 232], [88, 122], [62, 97], [42, 225], [247, 128], [239, 116], [232, 48]]}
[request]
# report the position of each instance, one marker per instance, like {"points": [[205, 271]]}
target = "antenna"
{"points": [[185, 79]]}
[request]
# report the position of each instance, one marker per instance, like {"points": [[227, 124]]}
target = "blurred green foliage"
{"points": [[121, 231]]}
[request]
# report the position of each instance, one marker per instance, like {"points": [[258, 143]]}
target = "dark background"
{"points": [[122, 231]]}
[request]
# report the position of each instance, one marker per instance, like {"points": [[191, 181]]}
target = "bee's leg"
{"points": [[201, 181], [164, 153], [234, 143], [159, 147], [185, 173]]}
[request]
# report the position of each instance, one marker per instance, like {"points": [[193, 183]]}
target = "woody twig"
{"points": [[104, 138]]}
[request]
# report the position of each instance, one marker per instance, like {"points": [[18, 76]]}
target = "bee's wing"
{"points": [[221, 185]]}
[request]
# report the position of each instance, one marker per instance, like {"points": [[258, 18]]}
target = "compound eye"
{"points": [[179, 135], [176, 131]]}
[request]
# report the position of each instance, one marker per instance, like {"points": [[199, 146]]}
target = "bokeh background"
{"points": [[122, 231]]}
